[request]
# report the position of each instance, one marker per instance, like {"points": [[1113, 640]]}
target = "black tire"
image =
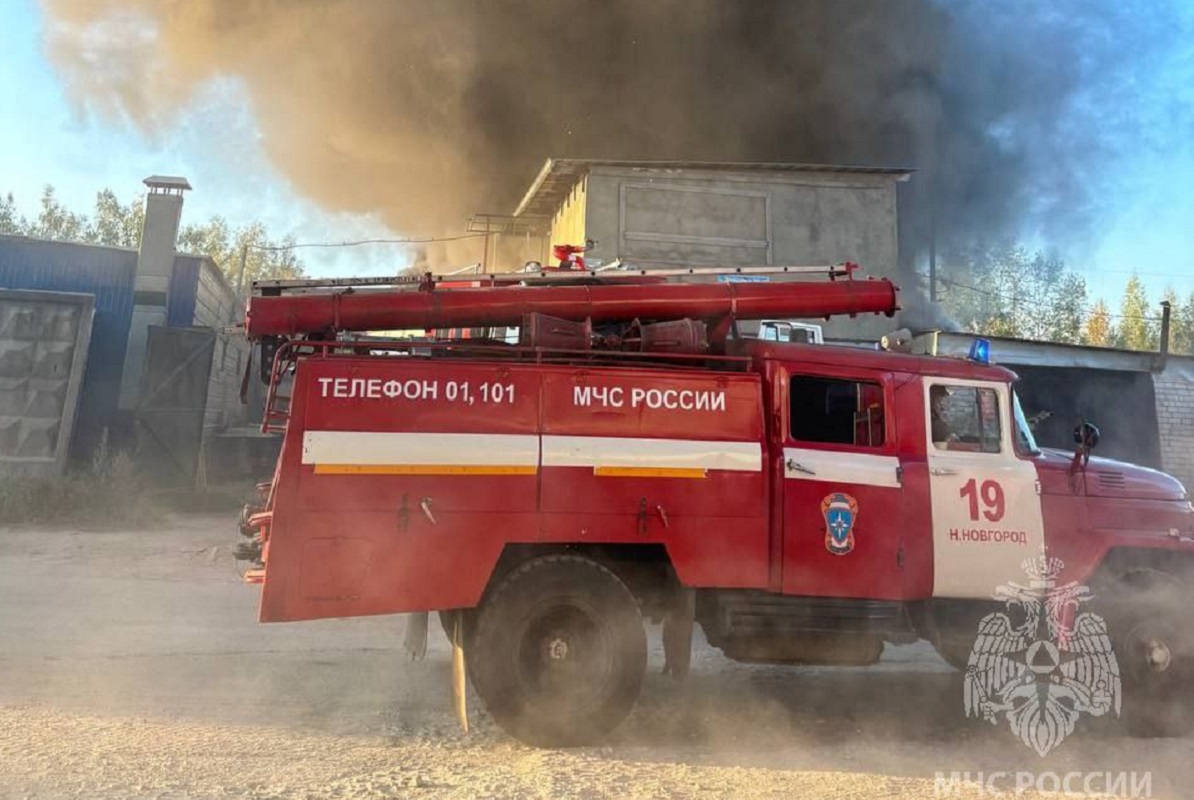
{"points": [[558, 652], [1153, 639], [952, 629]]}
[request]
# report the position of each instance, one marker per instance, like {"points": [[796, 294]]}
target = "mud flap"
{"points": [[677, 635], [459, 699], [415, 640]]}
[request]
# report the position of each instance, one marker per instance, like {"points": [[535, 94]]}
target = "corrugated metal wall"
{"points": [[106, 273], [180, 300], [199, 296]]}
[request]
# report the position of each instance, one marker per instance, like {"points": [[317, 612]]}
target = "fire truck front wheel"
{"points": [[1153, 638], [558, 651]]}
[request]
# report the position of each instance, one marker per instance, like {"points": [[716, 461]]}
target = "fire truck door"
{"points": [[985, 502], [842, 495]]}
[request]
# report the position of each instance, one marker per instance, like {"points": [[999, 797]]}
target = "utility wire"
{"points": [[358, 242], [996, 296]]}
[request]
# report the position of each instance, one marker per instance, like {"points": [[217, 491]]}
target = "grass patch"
{"points": [[107, 493], [219, 499]]}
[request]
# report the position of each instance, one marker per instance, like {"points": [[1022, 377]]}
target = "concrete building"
{"points": [[1143, 402], [157, 372], [681, 213]]}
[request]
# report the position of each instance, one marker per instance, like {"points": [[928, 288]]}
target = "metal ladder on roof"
{"points": [[615, 271]]}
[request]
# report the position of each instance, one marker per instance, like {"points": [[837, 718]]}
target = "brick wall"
{"points": [[1175, 418]]}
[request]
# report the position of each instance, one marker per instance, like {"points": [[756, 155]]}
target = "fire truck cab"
{"points": [[802, 504]]}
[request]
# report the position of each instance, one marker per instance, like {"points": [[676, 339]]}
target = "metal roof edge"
{"points": [[727, 166], [534, 188], [219, 273], [22, 239], [1059, 354], [581, 166]]}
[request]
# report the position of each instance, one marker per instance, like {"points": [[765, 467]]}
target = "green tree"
{"points": [[119, 225], [1063, 306], [10, 221], [1182, 322], [1003, 289], [1099, 330], [263, 258], [115, 224], [54, 221], [1136, 328]]}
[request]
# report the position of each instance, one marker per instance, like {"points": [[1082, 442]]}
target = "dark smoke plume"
{"points": [[427, 111]]}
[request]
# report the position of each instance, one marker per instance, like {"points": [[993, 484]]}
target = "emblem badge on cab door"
{"points": [[840, 511]]}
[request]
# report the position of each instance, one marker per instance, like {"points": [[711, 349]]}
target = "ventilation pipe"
{"points": [[151, 286], [1163, 356]]}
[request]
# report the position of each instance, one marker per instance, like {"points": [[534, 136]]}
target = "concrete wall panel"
{"points": [[668, 217], [689, 225], [44, 337]]}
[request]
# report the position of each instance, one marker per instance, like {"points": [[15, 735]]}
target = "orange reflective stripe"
{"points": [[423, 469], [650, 472]]}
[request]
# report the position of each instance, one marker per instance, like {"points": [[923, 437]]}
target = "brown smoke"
{"points": [[427, 111]]}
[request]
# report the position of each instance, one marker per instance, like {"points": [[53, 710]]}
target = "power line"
{"points": [[1086, 309], [358, 242], [1102, 271]]}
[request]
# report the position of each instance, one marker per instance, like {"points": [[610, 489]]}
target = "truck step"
{"points": [[749, 613]]}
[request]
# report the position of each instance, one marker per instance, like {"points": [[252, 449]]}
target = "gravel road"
{"points": [[131, 665]]}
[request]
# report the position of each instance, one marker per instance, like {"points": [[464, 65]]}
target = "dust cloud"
{"points": [[426, 112], [145, 674]]}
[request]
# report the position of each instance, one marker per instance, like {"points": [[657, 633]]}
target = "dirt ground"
{"points": [[131, 665]]}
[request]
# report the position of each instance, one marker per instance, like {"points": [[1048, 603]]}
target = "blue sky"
{"points": [[44, 140], [216, 145]]}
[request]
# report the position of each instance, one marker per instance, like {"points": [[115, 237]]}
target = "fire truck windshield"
{"points": [[1025, 442]]}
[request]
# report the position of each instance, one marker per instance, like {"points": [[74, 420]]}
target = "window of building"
{"points": [[965, 418], [836, 411]]}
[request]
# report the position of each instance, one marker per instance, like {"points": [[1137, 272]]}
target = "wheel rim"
{"points": [[1152, 653], [564, 658], [1158, 655]]}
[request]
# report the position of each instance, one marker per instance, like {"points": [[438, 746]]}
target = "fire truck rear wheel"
{"points": [[952, 628], [558, 652], [1153, 640]]}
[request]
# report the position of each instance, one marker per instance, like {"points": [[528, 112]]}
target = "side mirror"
{"points": [[1086, 435]]}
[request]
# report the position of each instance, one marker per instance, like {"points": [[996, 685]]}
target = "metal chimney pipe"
{"points": [[1163, 357]]}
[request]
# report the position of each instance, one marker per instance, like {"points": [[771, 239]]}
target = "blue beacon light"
{"points": [[980, 351]]}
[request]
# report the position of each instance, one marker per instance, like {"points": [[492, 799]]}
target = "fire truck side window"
{"points": [[835, 411], [965, 418]]}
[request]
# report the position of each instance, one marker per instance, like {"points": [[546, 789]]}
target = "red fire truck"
{"points": [[631, 459]]}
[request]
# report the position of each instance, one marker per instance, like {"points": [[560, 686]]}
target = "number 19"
{"points": [[992, 498]]}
